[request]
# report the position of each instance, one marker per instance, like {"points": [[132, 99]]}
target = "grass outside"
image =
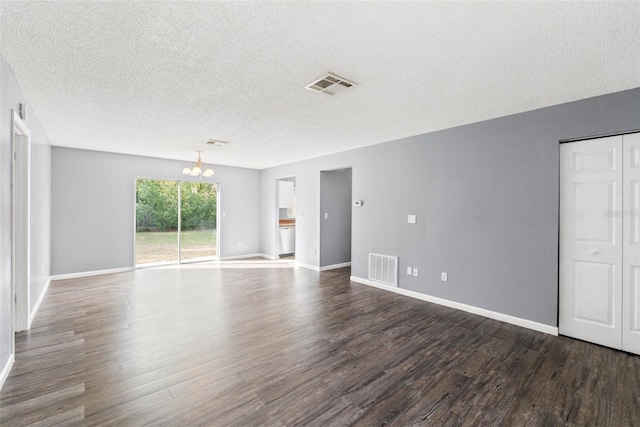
{"points": [[159, 246]]}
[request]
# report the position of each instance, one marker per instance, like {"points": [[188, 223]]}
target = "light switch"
{"points": [[409, 271], [444, 276], [326, 215], [411, 219], [224, 214]]}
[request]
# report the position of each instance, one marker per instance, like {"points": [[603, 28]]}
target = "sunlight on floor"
{"points": [[242, 263]]}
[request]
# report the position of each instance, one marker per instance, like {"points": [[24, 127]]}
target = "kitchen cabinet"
{"points": [[286, 194]]}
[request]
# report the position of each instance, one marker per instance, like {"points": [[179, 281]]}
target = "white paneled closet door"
{"points": [[591, 240], [631, 244], [600, 241]]}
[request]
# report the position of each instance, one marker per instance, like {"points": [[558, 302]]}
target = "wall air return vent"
{"points": [[330, 84], [216, 142], [383, 269]]}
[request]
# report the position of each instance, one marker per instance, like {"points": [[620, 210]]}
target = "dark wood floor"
{"points": [[284, 346]]}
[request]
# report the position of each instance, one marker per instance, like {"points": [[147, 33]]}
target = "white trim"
{"points": [[20, 223], [227, 258], [529, 324], [91, 273], [334, 266], [6, 369], [325, 268], [219, 206], [307, 266], [40, 298], [179, 231]]}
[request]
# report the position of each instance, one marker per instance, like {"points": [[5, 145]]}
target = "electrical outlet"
{"points": [[415, 272], [409, 271], [444, 276]]}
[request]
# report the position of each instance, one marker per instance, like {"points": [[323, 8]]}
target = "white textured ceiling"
{"points": [[157, 78]]}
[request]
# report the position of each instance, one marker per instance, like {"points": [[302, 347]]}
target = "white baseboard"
{"points": [[325, 268], [229, 258], [91, 273], [540, 327], [307, 266], [334, 266], [32, 315], [6, 369]]}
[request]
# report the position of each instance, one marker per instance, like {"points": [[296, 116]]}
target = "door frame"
{"points": [[321, 218], [276, 246], [20, 225]]}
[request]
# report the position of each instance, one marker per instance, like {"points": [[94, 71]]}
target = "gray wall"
{"points": [[93, 207], [486, 197], [11, 97], [335, 231]]}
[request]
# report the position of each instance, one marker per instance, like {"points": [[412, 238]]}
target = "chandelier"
{"points": [[196, 170]]}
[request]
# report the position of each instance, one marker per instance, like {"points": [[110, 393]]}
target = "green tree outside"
{"points": [[198, 209], [157, 205]]}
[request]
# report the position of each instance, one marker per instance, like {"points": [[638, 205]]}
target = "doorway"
{"points": [[335, 218], [286, 217], [21, 201], [599, 282], [176, 222]]}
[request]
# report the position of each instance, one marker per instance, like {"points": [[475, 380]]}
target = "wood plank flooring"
{"points": [[287, 346]]}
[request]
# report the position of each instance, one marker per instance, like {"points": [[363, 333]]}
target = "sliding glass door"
{"points": [[198, 203], [175, 221], [156, 221]]}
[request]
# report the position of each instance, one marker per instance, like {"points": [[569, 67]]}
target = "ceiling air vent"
{"points": [[215, 142], [330, 84]]}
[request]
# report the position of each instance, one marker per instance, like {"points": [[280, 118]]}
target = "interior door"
{"points": [[591, 240], [631, 244]]}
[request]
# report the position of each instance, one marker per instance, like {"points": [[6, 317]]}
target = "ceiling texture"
{"points": [[158, 78]]}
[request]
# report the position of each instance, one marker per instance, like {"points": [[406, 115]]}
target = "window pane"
{"points": [[156, 221], [198, 221]]}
